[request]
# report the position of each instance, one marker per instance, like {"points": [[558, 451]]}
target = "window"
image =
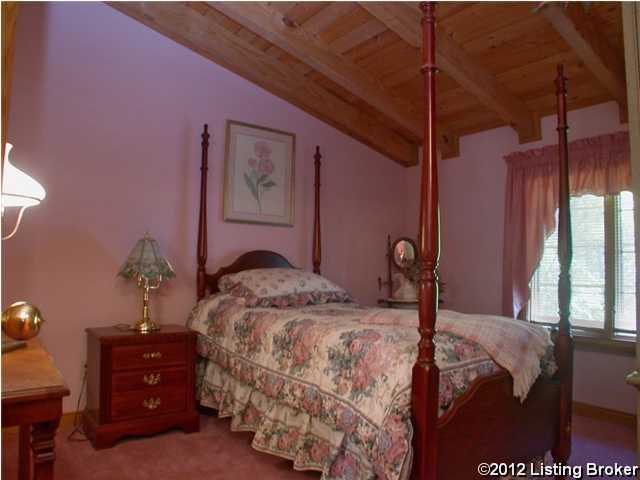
{"points": [[602, 272]]}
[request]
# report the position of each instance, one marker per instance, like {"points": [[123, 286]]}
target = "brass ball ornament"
{"points": [[21, 321]]}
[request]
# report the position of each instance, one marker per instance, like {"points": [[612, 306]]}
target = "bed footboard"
{"points": [[488, 424]]}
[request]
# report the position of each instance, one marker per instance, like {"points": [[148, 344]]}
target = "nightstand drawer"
{"points": [[148, 378], [152, 401], [152, 355]]}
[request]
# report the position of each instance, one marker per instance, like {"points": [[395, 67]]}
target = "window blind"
{"points": [[625, 318], [587, 269]]}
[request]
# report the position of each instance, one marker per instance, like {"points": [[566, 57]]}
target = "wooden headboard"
{"points": [[256, 258], [248, 261]]}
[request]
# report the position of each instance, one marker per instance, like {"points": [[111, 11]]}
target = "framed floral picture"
{"points": [[259, 175]]}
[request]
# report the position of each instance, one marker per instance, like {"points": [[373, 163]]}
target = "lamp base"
{"points": [[145, 325]]}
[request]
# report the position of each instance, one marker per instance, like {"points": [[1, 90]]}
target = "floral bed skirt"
{"points": [[297, 425], [297, 435]]}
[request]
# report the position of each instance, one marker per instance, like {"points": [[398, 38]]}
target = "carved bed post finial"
{"points": [[201, 274], [317, 239], [425, 374], [563, 340]]}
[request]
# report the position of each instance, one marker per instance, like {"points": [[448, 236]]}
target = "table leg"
{"points": [[43, 445], [24, 453]]}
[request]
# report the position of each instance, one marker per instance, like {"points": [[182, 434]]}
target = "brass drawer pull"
{"points": [[151, 378], [151, 355], [151, 403]]}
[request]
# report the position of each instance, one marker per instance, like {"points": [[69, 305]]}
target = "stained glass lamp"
{"points": [[149, 268], [18, 190]]}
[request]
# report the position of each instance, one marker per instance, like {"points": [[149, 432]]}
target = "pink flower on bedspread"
{"points": [[320, 451], [392, 445], [312, 402], [464, 349], [347, 421], [360, 357], [280, 302], [300, 353], [356, 346], [294, 345], [445, 391], [219, 318], [342, 385], [288, 440], [375, 359], [396, 428], [246, 375], [273, 385], [261, 325], [345, 467], [370, 336], [250, 331], [251, 415], [361, 378]]}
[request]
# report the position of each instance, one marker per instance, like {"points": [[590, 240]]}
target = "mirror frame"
{"points": [[393, 249]]}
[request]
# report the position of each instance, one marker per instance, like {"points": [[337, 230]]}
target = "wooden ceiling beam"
{"points": [[308, 48], [404, 20], [327, 16], [582, 34], [282, 7], [479, 82], [357, 36], [193, 29], [273, 26], [9, 17], [323, 19]]}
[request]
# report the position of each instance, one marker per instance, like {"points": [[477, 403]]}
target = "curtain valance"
{"points": [[597, 165]]}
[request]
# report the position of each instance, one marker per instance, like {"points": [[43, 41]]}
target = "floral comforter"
{"points": [[320, 388]]}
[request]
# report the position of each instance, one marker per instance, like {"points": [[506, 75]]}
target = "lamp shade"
{"points": [[145, 261], [18, 188]]}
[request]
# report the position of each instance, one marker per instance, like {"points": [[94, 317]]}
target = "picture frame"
{"points": [[259, 175]]}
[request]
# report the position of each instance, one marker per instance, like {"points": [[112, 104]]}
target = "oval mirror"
{"points": [[404, 252]]}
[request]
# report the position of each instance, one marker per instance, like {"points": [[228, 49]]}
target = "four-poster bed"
{"points": [[485, 423]]}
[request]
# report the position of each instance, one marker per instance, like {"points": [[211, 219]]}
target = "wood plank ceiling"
{"points": [[356, 65]]}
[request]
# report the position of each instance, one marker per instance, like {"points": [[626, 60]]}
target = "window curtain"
{"points": [[597, 165]]}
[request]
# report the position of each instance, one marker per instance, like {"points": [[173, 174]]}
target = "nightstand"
{"points": [[139, 384]]}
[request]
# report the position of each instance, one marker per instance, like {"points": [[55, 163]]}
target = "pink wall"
{"points": [[107, 114], [472, 190]]}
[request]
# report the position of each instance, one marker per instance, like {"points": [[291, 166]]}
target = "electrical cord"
{"points": [[78, 434]]}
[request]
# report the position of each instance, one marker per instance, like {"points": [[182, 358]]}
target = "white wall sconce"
{"points": [[19, 190]]}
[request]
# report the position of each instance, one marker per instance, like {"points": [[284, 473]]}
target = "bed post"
{"points": [[317, 240], [425, 374], [563, 340], [202, 219]]}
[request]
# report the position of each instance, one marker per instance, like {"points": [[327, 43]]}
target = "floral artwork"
{"points": [[259, 173], [258, 178]]}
